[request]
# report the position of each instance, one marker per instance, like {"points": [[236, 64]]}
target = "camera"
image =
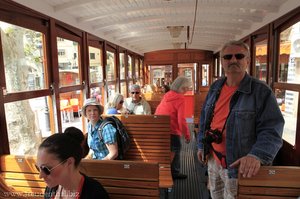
{"points": [[212, 136]]}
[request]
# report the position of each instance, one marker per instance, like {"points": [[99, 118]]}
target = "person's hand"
{"points": [[200, 157], [187, 140], [248, 166]]}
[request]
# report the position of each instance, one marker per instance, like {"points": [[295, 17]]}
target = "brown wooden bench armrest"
{"points": [[271, 182]]}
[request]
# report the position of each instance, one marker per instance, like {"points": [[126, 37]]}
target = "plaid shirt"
{"points": [[98, 146]]}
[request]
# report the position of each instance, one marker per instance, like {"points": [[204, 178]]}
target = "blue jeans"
{"points": [[175, 147]]}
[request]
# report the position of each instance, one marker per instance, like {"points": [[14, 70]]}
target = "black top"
{"points": [[91, 189]]}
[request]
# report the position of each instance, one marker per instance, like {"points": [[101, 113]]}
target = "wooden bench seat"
{"points": [[121, 179], [150, 142], [271, 182]]}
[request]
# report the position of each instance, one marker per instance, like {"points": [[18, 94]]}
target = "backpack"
{"points": [[123, 138]]}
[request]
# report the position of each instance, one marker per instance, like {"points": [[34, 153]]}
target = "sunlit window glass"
{"points": [[68, 62], [122, 66], [141, 68], [288, 103], [23, 55], [98, 94], [28, 122], [136, 67], [261, 60], [129, 66], [289, 55], [123, 89], [70, 109], [205, 75], [110, 67], [111, 89], [96, 66]]}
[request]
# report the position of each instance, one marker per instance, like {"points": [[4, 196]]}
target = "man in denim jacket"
{"points": [[241, 124]]}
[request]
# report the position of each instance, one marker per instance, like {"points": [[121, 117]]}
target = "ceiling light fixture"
{"points": [[175, 31]]}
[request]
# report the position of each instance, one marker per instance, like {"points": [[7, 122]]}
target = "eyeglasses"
{"points": [[121, 102], [238, 56], [47, 170], [135, 93]]}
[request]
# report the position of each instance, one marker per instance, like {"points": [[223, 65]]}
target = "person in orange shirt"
{"points": [[241, 124]]}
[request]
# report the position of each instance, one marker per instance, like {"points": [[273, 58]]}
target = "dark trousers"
{"points": [[175, 147]]}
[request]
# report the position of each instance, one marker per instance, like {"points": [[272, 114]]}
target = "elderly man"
{"points": [[136, 104], [241, 124]]}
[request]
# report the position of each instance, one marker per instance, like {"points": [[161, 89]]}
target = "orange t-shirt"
{"points": [[220, 115]]}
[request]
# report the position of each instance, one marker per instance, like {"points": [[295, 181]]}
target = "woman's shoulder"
{"points": [[93, 188], [111, 111]]}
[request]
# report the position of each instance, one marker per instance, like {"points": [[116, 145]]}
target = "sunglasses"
{"points": [[46, 170], [238, 56], [121, 102], [135, 93]]}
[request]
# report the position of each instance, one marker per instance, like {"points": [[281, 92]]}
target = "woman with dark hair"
{"points": [[58, 159]]}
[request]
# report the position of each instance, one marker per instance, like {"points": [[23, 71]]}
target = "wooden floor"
{"points": [[194, 187]]}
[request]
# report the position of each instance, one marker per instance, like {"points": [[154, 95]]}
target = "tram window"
{"points": [[111, 90], [205, 75], [288, 103], [96, 65], [129, 66], [136, 68], [141, 69], [28, 121], [68, 62], [24, 60], [110, 66], [70, 109], [261, 60], [289, 59], [123, 88], [122, 66], [98, 94], [130, 83], [188, 70]]}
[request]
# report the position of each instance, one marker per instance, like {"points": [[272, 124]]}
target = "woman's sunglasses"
{"points": [[238, 56], [46, 170]]}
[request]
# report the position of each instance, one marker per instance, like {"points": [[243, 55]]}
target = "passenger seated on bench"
{"points": [[136, 104], [115, 104], [173, 104], [58, 162], [102, 142]]}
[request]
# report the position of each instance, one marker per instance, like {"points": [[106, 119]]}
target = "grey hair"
{"points": [[115, 100], [179, 83], [135, 87], [236, 43]]}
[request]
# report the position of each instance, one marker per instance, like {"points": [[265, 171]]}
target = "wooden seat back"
{"points": [[153, 96], [153, 105], [125, 179], [199, 99], [271, 182], [150, 138], [121, 179], [19, 172]]}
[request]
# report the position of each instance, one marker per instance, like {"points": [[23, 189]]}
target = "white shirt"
{"points": [[140, 108]]}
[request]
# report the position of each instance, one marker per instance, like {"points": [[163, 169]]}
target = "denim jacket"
{"points": [[254, 126]]}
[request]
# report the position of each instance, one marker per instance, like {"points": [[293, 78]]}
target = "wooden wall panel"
{"points": [[177, 56]]}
